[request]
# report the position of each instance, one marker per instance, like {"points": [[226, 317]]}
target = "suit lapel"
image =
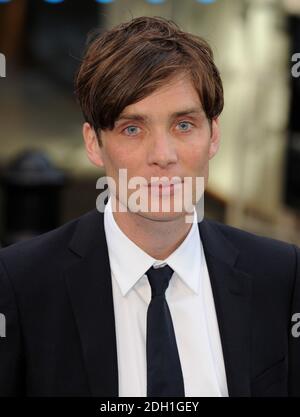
{"points": [[232, 296], [88, 281]]}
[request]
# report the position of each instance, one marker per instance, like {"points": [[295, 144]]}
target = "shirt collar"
{"points": [[128, 262]]}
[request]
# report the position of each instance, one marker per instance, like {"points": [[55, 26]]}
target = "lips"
{"points": [[164, 183], [165, 188]]}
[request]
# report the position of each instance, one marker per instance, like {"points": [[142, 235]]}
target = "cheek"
{"points": [[115, 156], [119, 158], [196, 157]]}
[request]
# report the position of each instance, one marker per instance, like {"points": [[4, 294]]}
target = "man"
{"points": [[142, 302]]}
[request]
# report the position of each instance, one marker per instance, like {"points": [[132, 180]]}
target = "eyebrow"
{"points": [[190, 111]]}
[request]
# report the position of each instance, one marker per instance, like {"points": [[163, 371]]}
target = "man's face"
{"points": [[166, 134]]}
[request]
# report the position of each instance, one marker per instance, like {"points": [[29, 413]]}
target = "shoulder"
{"points": [[47, 252], [245, 239], [258, 254]]}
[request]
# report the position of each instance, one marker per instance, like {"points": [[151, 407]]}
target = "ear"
{"points": [[93, 149], [215, 137]]}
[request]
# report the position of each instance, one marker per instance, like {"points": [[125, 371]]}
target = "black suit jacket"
{"points": [[56, 295]]}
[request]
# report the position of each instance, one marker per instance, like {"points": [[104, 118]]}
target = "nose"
{"points": [[162, 150]]}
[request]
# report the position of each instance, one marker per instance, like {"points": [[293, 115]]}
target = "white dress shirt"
{"points": [[192, 308]]}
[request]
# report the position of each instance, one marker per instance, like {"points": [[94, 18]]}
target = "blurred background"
{"points": [[45, 176]]}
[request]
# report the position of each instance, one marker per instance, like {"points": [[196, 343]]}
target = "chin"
{"points": [[161, 216]]}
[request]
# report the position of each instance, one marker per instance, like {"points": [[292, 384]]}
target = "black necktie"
{"points": [[164, 374]]}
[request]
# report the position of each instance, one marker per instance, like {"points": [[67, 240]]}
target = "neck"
{"points": [[156, 237]]}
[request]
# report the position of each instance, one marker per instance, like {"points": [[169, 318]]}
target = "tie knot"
{"points": [[159, 279]]}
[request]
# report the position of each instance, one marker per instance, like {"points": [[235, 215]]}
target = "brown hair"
{"points": [[129, 62]]}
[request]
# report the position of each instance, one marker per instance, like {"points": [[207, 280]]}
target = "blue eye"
{"points": [[186, 126], [131, 130]]}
